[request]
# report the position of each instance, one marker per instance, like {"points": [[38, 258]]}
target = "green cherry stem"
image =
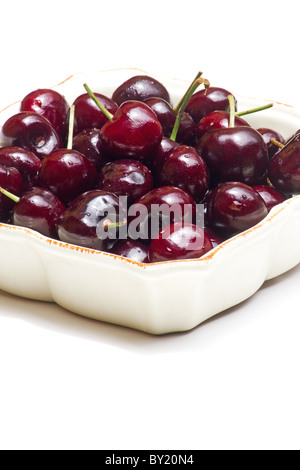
{"points": [[10, 195], [100, 105], [178, 106], [185, 101], [71, 127], [232, 110], [254, 110]]}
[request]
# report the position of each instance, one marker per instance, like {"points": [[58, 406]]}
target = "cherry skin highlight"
{"points": [[87, 113], [270, 195], [131, 249], [89, 143], [217, 120], [23, 160]]}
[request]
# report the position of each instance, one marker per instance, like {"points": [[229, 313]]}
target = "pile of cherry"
{"points": [[63, 167]]}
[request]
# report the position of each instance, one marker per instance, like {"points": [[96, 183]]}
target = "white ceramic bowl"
{"points": [[156, 298]]}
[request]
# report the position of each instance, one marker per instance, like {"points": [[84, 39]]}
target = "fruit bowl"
{"points": [[155, 298]]}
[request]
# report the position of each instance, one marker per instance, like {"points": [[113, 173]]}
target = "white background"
{"points": [[233, 383]]}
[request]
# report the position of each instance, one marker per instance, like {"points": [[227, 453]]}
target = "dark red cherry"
{"points": [[39, 209], [214, 237], [234, 154], [217, 120], [134, 132], [179, 241], [158, 208], [270, 195], [234, 207], [11, 180], [32, 132], [184, 168], [67, 173], [159, 156], [186, 131], [131, 249], [87, 113], [269, 134], [206, 101], [23, 160], [284, 168], [90, 144], [126, 178], [82, 223], [140, 88], [49, 104], [164, 112]]}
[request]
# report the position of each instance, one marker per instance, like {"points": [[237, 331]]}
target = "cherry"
{"points": [[131, 249], [216, 120], [284, 167], [234, 154], [87, 113], [159, 156], [133, 132], [49, 104], [184, 168], [23, 160], [270, 195], [140, 88], [179, 241], [126, 178], [67, 173], [80, 223], [90, 144], [235, 207], [168, 203], [32, 132], [38, 209], [11, 180], [269, 134], [206, 101], [214, 237], [167, 117]]}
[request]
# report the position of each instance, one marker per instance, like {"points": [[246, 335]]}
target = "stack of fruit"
{"points": [[97, 173]]}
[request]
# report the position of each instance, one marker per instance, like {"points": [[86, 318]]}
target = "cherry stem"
{"points": [[100, 105], [232, 111], [108, 224], [278, 144], [185, 101], [255, 110], [71, 127], [10, 195], [178, 106]]}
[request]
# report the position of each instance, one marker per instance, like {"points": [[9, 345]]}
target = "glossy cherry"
{"points": [[131, 249], [140, 88], [39, 209], [126, 178], [159, 156], [234, 207], [49, 104], [87, 113], [206, 101], [269, 134], [184, 168], [67, 173], [90, 144], [166, 204], [217, 120], [270, 195], [234, 154], [32, 132], [133, 132], [23, 160], [11, 180], [284, 168], [81, 223], [179, 241]]}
